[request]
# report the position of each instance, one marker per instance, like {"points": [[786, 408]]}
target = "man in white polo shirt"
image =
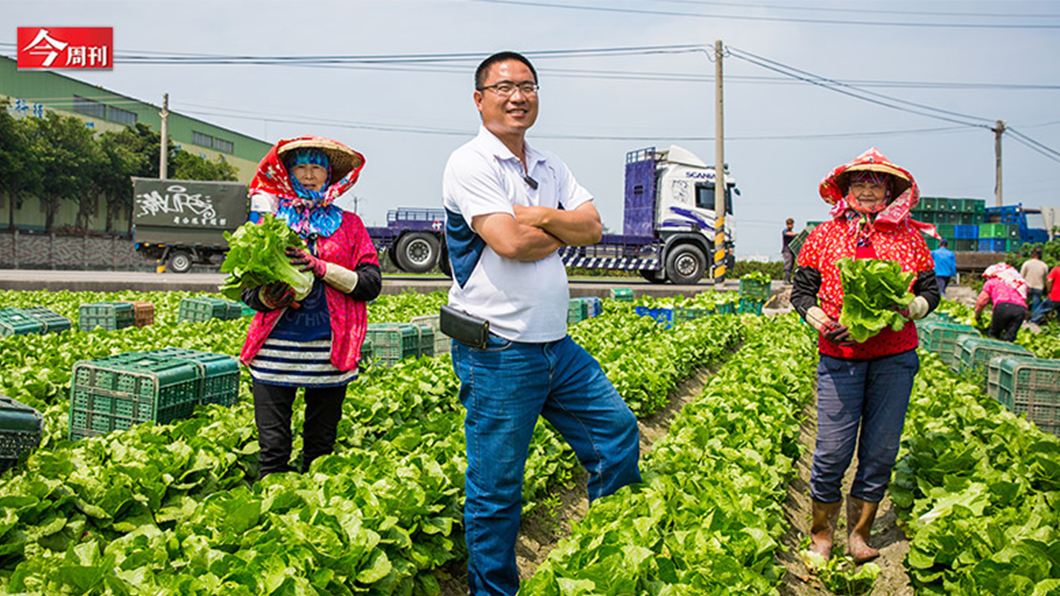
{"points": [[509, 208]]}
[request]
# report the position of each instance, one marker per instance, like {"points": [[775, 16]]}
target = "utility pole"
{"points": [[998, 131], [719, 172], [163, 154]]}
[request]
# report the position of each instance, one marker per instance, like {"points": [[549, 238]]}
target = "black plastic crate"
{"points": [[20, 431]]}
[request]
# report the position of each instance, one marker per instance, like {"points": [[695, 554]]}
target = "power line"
{"points": [[860, 10], [886, 101], [1039, 147], [672, 13]]}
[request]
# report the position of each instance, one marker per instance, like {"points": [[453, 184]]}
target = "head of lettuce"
{"points": [[256, 257], [874, 291]]}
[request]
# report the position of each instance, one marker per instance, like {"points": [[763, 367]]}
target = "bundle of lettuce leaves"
{"points": [[873, 292], [256, 256]]}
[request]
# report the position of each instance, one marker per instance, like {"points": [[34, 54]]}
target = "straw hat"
{"points": [[899, 179], [342, 159]]}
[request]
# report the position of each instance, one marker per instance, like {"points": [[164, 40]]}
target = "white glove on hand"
{"points": [[918, 308], [816, 318]]}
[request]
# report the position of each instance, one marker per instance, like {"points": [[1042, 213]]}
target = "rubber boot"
{"points": [[860, 516], [822, 527]]}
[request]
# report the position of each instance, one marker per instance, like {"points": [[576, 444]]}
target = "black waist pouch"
{"points": [[463, 327]]}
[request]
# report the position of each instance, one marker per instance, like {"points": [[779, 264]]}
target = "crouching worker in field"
{"points": [[316, 342], [862, 388], [509, 209]]}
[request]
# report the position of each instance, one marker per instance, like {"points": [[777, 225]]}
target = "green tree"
{"points": [[120, 162], [20, 169], [193, 167], [69, 155]]}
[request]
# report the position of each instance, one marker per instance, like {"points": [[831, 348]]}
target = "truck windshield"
{"points": [[705, 197], [1035, 221]]}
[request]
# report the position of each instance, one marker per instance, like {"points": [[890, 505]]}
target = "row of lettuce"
{"points": [[176, 509]]}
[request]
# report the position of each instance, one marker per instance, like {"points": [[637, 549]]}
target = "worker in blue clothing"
{"points": [[945, 265]]}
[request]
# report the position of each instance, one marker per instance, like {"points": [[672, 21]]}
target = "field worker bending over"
{"points": [[509, 208]]}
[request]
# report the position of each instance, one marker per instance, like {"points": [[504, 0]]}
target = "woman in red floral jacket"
{"points": [[863, 388]]}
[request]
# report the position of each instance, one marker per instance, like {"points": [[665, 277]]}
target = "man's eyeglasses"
{"points": [[506, 88]]}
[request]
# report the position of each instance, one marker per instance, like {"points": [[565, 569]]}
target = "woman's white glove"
{"points": [[918, 309]]}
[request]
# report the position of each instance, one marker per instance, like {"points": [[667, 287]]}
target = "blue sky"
{"points": [[944, 72]]}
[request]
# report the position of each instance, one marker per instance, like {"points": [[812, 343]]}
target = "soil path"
{"points": [[887, 536]]}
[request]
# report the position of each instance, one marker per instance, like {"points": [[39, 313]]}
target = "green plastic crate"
{"points": [[965, 244], [50, 320], [219, 374], [205, 308], [941, 338], [754, 289], [622, 294], [20, 431], [15, 322], [974, 353], [1028, 386], [751, 306], [393, 341], [442, 342], [119, 392], [932, 243], [927, 203], [993, 230], [796, 243], [425, 342], [366, 353], [973, 205], [577, 311], [109, 316], [682, 314]]}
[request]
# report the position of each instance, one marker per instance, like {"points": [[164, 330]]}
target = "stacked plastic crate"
{"points": [[941, 338], [973, 354], [121, 391], [753, 295], [1028, 386], [956, 220]]}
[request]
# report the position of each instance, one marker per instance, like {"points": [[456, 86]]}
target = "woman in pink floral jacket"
{"points": [[314, 343]]}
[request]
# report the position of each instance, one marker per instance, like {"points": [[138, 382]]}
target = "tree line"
{"points": [[57, 159]]}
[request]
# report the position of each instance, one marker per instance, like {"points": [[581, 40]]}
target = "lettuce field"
{"points": [[178, 509]]}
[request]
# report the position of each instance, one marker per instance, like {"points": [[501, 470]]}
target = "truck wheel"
{"points": [[653, 276], [417, 252], [443, 262], [685, 264], [179, 261]]}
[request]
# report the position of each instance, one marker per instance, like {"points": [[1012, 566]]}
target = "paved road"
{"points": [[115, 281]]}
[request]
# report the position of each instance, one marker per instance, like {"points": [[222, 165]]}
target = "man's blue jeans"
{"points": [[1044, 307], [505, 387], [1034, 298], [860, 403]]}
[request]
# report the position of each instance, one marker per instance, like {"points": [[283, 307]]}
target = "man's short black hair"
{"points": [[484, 68], [944, 242], [1036, 252]]}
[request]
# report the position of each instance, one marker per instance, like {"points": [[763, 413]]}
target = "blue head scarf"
{"points": [[309, 219]]}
